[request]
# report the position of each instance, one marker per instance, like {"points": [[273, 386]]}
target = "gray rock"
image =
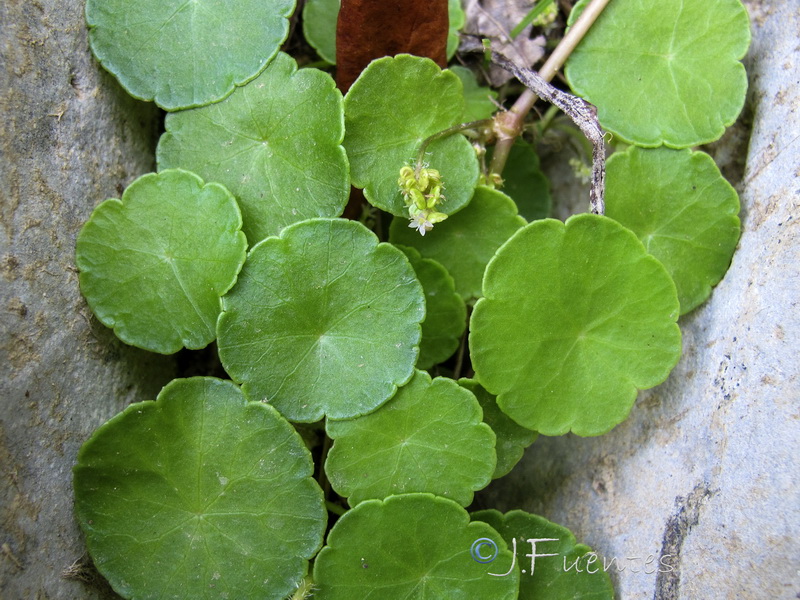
{"points": [[69, 138], [704, 474]]}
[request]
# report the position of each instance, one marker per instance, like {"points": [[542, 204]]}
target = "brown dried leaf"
{"points": [[370, 29]]}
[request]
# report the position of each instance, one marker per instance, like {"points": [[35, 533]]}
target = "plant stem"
{"points": [[335, 508], [460, 358], [512, 121], [547, 119], [323, 478], [444, 133]]}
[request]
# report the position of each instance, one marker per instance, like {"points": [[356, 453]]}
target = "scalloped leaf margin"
{"points": [[575, 319], [324, 321], [182, 54], [670, 70], [173, 506], [154, 264]]}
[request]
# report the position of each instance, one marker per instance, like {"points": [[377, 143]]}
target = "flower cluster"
{"points": [[421, 194]]}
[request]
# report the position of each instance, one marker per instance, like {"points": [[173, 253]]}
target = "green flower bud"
{"points": [[436, 217]]}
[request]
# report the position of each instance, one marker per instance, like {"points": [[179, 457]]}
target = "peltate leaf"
{"points": [[391, 109], [324, 320], [185, 54], [573, 573], [512, 439], [683, 211], [466, 241], [575, 319], [154, 264], [275, 143], [445, 311], [199, 494], [663, 72], [428, 438], [413, 546]]}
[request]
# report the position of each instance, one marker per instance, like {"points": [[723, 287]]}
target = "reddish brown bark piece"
{"points": [[370, 29]]}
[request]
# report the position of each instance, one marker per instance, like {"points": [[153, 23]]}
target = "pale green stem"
{"points": [[443, 134], [335, 508]]}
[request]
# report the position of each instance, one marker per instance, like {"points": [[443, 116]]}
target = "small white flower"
{"points": [[421, 223]]}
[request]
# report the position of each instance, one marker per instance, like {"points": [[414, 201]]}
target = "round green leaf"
{"points": [[575, 319], [445, 311], [511, 438], [319, 26], [525, 183], [574, 573], [395, 104], [683, 211], [664, 72], [154, 264], [412, 546], [428, 438], [275, 143], [324, 320], [199, 494], [465, 242], [477, 98], [185, 54]]}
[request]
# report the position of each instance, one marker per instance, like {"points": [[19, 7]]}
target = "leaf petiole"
{"points": [[482, 123]]}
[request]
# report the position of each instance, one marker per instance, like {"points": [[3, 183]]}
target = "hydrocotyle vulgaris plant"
{"points": [[349, 350]]}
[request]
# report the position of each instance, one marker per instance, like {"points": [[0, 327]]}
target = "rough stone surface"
{"points": [[705, 472], [69, 138]]}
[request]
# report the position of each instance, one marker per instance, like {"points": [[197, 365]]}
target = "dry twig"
{"points": [[583, 114]]}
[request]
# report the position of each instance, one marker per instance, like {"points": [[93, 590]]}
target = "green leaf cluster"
{"points": [[664, 92], [324, 327], [260, 143]]}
